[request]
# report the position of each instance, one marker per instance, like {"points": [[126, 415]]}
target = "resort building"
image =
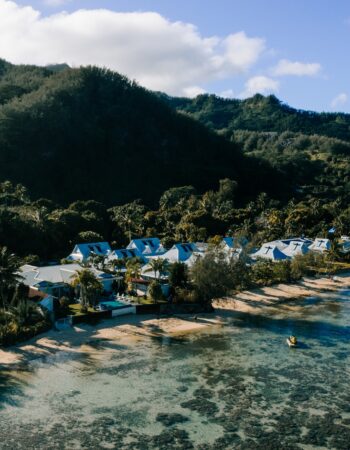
{"points": [[124, 254], [180, 252], [82, 252], [271, 252], [320, 245], [296, 248], [147, 247], [55, 280]]}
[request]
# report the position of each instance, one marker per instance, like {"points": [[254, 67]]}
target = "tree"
{"points": [[98, 261], [299, 266], [155, 291], [117, 265], [262, 272], [133, 269], [89, 287], [281, 271], [178, 275], [130, 218], [176, 197], [89, 236], [9, 277], [211, 275], [335, 252], [159, 267]]}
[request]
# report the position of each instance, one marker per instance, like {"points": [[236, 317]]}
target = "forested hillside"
{"points": [[310, 150], [90, 133], [260, 113], [87, 143]]}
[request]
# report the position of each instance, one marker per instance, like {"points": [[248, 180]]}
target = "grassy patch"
{"points": [[75, 310], [148, 301], [331, 268]]}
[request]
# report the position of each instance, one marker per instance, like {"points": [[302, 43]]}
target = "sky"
{"points": [[296, 49]]}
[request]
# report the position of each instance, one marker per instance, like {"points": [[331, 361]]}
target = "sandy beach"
{"points": [[126, 330], [129, 329], [258, 300]]}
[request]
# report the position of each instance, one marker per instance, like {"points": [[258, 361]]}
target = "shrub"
{"points": [[282, 272], [262, 272], [185, 295], [155, 291]]}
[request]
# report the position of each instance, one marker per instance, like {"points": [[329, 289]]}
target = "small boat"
{"points": [[292, 341]]}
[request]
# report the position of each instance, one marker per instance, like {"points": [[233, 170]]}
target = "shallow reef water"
{"points": [[238, 387]]}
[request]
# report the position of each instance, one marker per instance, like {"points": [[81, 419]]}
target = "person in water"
{"points": [[293, 339]]}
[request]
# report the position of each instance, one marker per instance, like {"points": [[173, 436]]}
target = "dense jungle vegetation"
{"points": [[89, 133], [85, 154]]}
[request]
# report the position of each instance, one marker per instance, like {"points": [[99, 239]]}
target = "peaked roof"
{"points": [[124, 253], [62, 273], [147, 246], [180, 252], [271, 252], [320, 245], [233, 242], [296, 248], [86, 249]]}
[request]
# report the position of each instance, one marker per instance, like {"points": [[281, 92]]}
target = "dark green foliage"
{"points": [[310, 151], [155, 291], [212, 276], [264, 171], [260, 113], [91, 133], [178, 276]]}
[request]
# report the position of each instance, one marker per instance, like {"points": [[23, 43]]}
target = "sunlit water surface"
{"points": [[238, 386]]}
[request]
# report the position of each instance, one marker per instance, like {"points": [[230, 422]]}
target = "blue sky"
{"points": [[295, 49]]}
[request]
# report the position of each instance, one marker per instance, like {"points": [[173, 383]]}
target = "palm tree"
{"points": [[117, 265], [335, 252], [133, 268], [159, 266], [89, 286], [9, 277]]}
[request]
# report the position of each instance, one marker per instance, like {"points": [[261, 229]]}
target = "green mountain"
{"points": [[260, 113], [310, 150], [90, 133]]}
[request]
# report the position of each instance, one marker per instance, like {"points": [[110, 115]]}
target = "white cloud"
{"points": [[193, 91], [260, 85], [296, 68], [227, 94], [339, 100], [55, 3], [162, 55]]}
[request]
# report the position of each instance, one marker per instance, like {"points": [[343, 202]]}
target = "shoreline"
{"points": [[128, 330], [270, 297], [81, 338]]}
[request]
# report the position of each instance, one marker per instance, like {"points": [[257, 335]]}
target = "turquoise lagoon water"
{"points": [[236, 387]]}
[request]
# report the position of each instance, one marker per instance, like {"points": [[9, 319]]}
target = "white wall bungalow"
{"points": [[296, 248], [125, 253], [282, 244], [82, 252], [55, 280], [230, 243], [147, 246], [320, 245], [270, 252], [180, 252]]}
